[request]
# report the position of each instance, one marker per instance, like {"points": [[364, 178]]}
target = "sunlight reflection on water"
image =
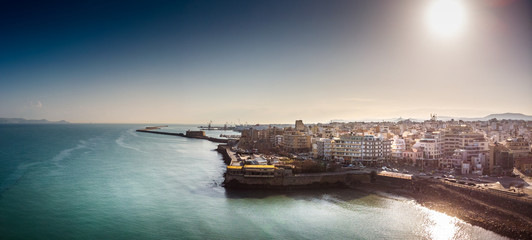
{"points": [[440, 226]]}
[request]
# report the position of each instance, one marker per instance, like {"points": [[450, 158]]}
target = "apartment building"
{"points": [[366, 148]]}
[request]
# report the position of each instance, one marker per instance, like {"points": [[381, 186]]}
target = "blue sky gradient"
{"points": [[258, 61]]}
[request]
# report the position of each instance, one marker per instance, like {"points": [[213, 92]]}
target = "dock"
{"points": [[212, 139]]}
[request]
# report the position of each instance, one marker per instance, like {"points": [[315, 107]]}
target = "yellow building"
{"points": [[294, 141]]}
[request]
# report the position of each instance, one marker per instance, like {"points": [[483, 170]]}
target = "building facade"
{"points": [[368, 148], [294, 141]]}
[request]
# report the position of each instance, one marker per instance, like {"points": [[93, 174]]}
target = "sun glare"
{"points": [[440, 226], [446, 18]]}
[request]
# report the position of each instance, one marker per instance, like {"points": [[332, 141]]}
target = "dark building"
{"points": [[501, 160], [195, 134]]}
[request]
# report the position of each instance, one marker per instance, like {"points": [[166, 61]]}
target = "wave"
{"points": [[66, 153], [120, 142], [21, 170]]}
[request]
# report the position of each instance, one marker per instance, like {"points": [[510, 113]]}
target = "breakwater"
{"points": [[212, 139]]}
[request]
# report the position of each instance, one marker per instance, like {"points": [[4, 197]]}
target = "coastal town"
{"points": [[266, 119], [493, 154], [479, 171], [480, 148]]}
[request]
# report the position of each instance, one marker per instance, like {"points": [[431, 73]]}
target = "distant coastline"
{"points": [[29, 121], [500, 116]]}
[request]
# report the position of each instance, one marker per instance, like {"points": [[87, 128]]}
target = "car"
{"points": [[422, 174]]}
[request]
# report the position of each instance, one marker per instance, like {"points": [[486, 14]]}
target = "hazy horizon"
{"points": [[191, 62], [368, 119]]}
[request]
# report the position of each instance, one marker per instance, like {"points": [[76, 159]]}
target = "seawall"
{"points": [[212, 139], [314, 180], [222, 149]]}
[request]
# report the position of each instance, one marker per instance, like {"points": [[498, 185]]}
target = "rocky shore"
{"points": [[507, 217]]}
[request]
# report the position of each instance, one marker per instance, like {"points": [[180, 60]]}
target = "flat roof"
{"points": [[259, 166], [234, 167]]}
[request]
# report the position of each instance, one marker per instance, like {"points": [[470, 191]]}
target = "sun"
{"points": [[446, 18]]}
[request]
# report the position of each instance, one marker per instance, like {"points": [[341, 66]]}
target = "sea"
{"points": [[106, 181]]}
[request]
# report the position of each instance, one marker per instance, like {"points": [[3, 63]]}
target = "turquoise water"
{"points": [[110, 182]]}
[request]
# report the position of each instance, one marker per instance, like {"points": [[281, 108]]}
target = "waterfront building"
{"points": [[446, 163], [296, 142], [453, 137], [260, 171], [398, 147], [500, 158], [431, 145], [367, 149], [413, 155], [324, 148], [465, 168]]}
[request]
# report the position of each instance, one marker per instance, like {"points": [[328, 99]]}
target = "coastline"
{"points": [[505, 216], [497, 214]]}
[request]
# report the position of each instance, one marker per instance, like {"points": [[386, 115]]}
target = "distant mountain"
{"points": [[511, 116], [28, 121], [498, 116]]}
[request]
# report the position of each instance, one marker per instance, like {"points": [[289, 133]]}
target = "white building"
{"points": [[366, 148], [325, 148], [278, 140], [398, 147]]}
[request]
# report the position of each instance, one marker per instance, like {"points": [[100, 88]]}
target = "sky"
{"points": [[263, 61]]}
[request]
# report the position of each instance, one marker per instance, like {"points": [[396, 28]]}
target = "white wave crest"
{"points": [[120, 142], [66, 153]]}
